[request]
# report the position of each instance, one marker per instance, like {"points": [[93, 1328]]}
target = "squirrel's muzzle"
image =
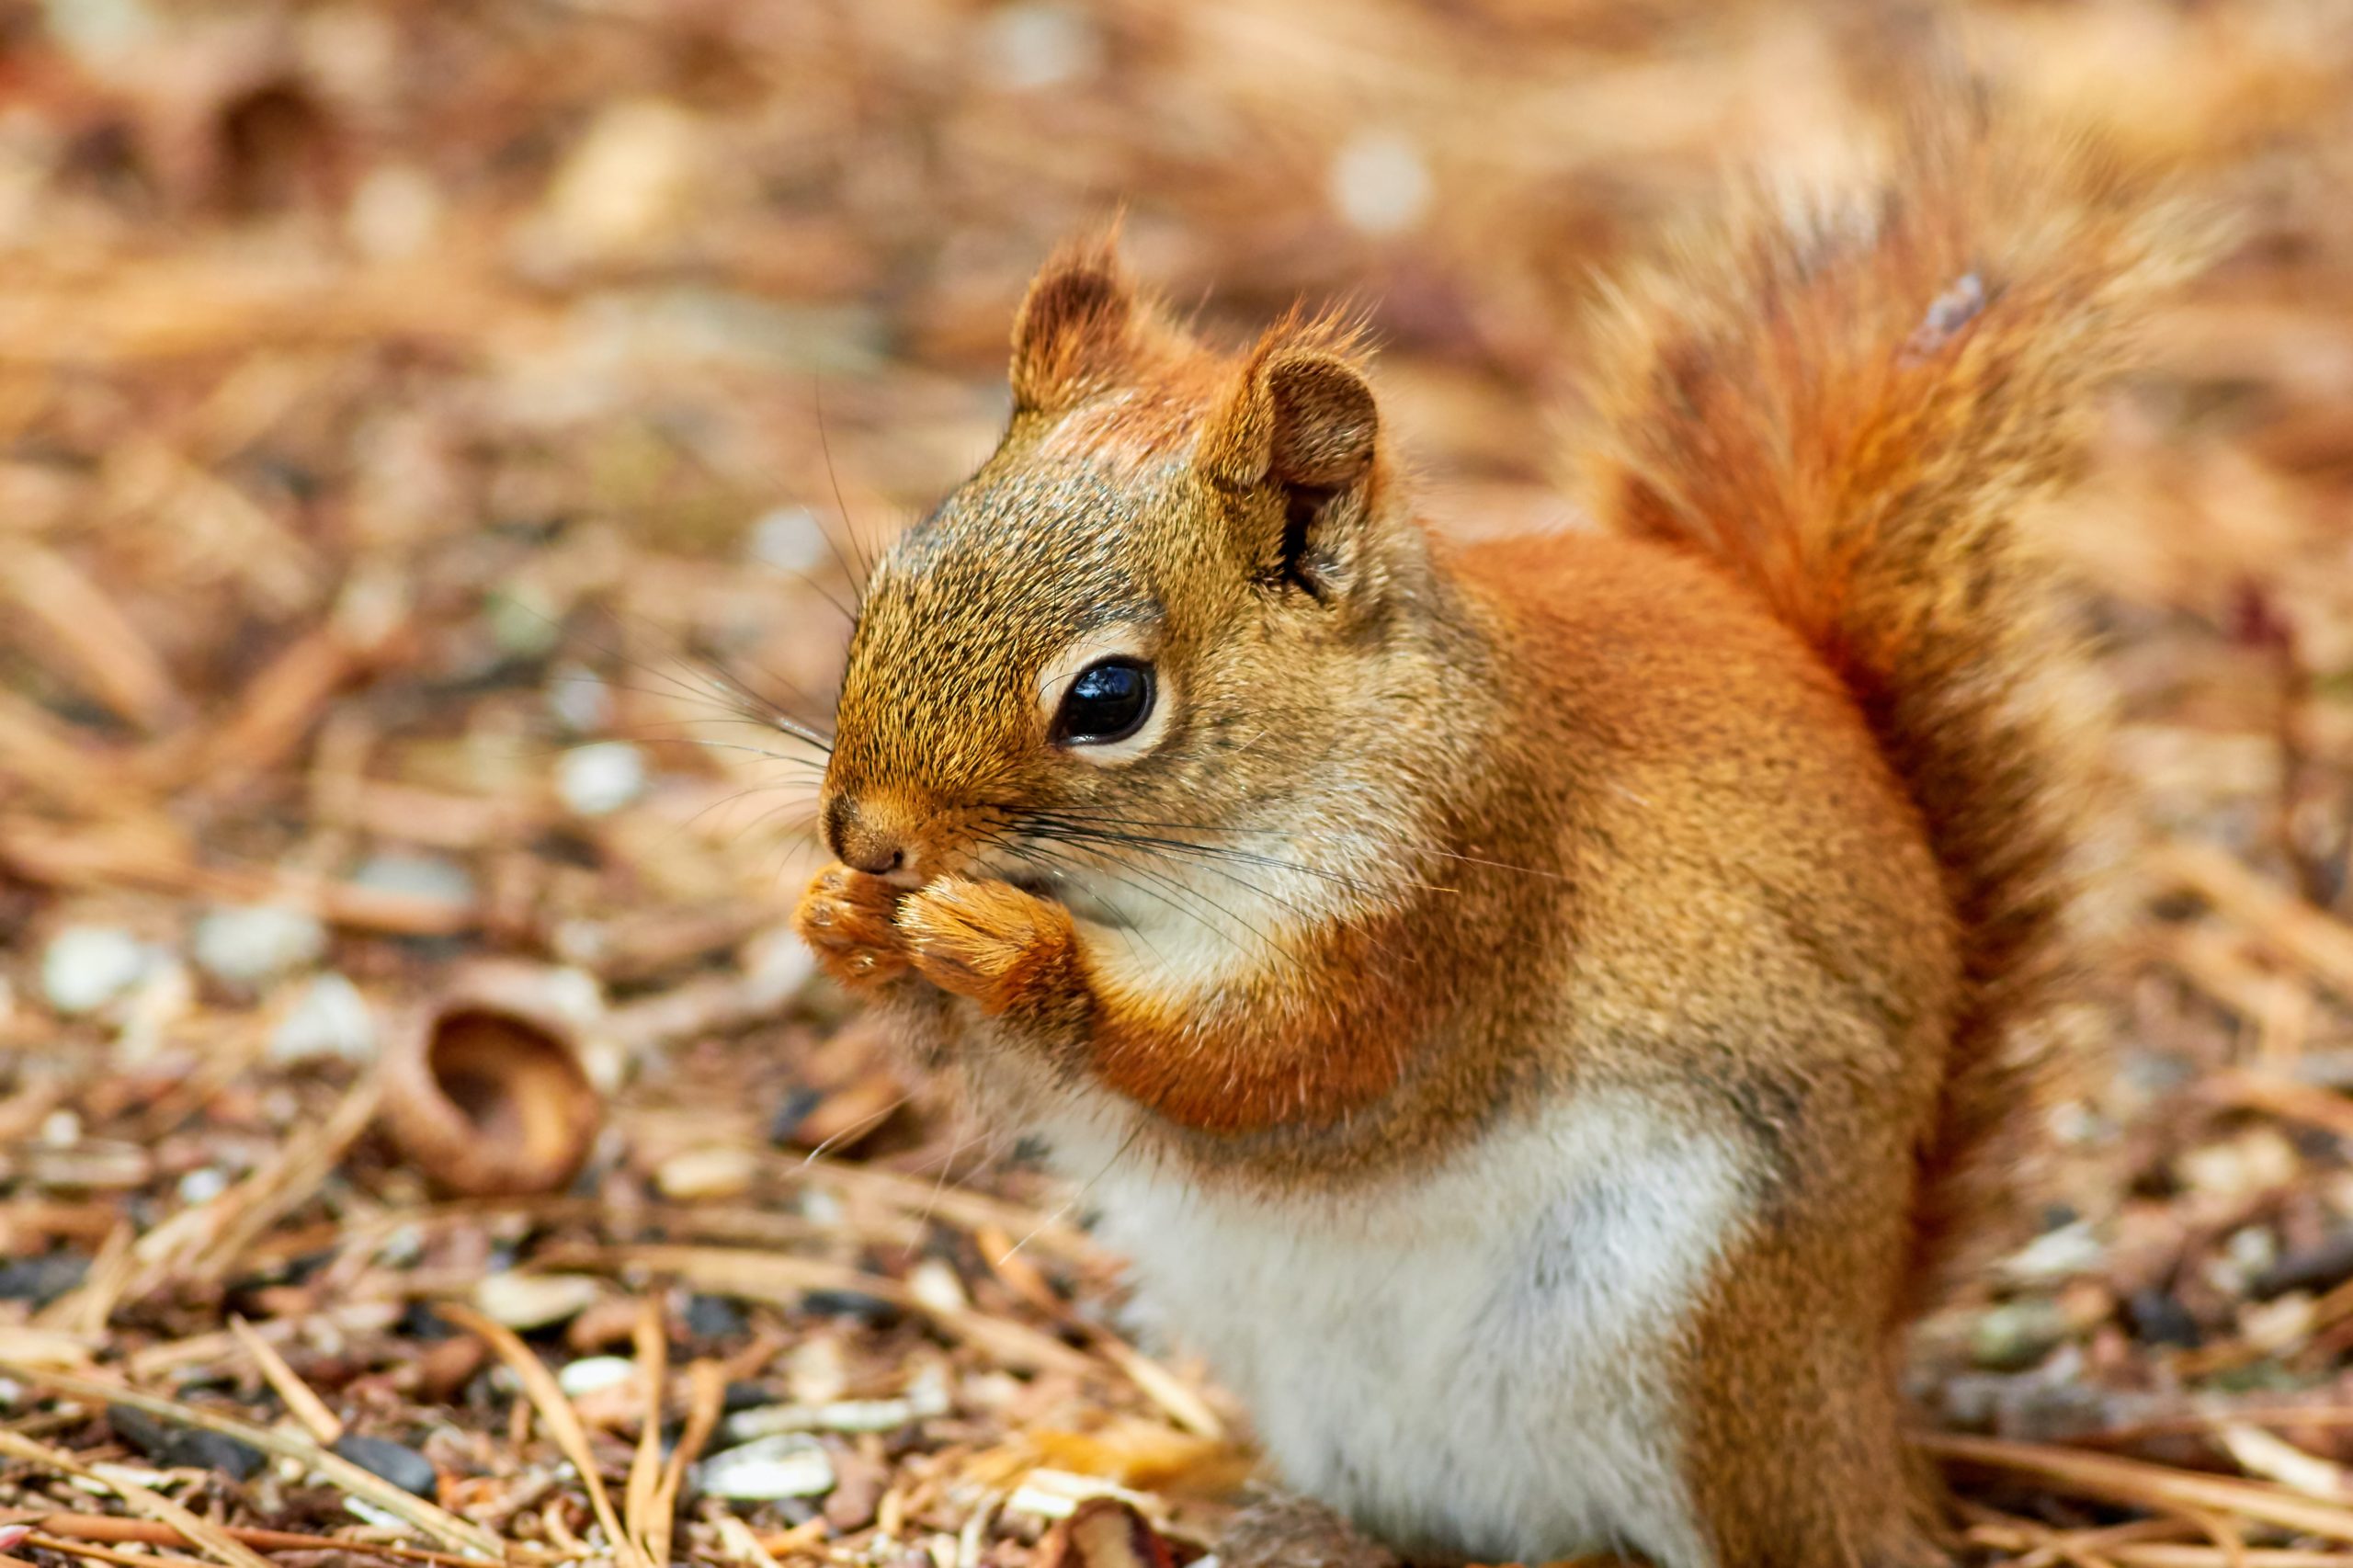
{"points": [[870, 836]]}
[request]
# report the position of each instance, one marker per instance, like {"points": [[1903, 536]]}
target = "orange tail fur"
{"points": [[1850, 411]]}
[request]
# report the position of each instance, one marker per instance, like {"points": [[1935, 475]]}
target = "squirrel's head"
{"points": [[1167, 611]]}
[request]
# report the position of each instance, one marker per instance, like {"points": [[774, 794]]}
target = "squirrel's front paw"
{"points": [[845, 918], [990, 941]]}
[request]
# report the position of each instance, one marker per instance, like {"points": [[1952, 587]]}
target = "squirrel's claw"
{"points": [[845, 918], [990, 940]]}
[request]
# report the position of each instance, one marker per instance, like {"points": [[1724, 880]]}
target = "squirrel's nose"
{"points": [[860, 842]]}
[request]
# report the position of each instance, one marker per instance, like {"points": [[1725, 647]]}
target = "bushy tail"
{"points": [[1850, 411]]}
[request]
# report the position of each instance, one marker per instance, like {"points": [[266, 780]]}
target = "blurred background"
{"points": [[437, 440]]}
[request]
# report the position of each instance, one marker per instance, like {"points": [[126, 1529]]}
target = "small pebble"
{"points": [[2159, 1318], [714, 1317], [2015, 1335], [842, 1415], [2244, 1255], [787, 1465], [203, 1185], [248, 947], [2276, 1325], [403, 1467], [599, 779], [2252, 1249], [707, 1173], [574, 993], [2258, 1160], [329, 1021], [41, 1279], [871, 1311], [417, 876], [934, 1283], [211, 1450], [175, 1448], [85, 967], [593, 1374], [526, 1301], [2058, 1254], [871, 1415]]}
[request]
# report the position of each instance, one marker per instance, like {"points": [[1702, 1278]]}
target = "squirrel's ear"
{"points": [[1301, 419], [1076, 329], [1323, 423], [1296, 444]]}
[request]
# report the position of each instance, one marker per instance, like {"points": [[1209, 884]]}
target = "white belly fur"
{"points": [[1468, 1362]]}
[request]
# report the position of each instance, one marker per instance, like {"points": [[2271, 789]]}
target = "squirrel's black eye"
{"points": [[1109, 701]]}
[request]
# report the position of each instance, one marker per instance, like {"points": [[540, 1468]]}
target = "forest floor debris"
{"points": [[440, 445]]}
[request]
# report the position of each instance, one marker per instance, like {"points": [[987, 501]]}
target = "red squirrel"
{"points": [[1542, 1016]]}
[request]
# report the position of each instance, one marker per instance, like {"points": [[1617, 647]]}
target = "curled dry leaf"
{"points": [[485, 1090]]}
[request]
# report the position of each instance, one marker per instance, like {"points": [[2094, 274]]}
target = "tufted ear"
{"points": [[1324, 422], [1295, 446], [1076, 330]]}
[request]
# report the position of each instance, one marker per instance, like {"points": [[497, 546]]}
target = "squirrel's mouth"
{"points": [[1032, 882], [1027, 875], [1073, 891]]}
